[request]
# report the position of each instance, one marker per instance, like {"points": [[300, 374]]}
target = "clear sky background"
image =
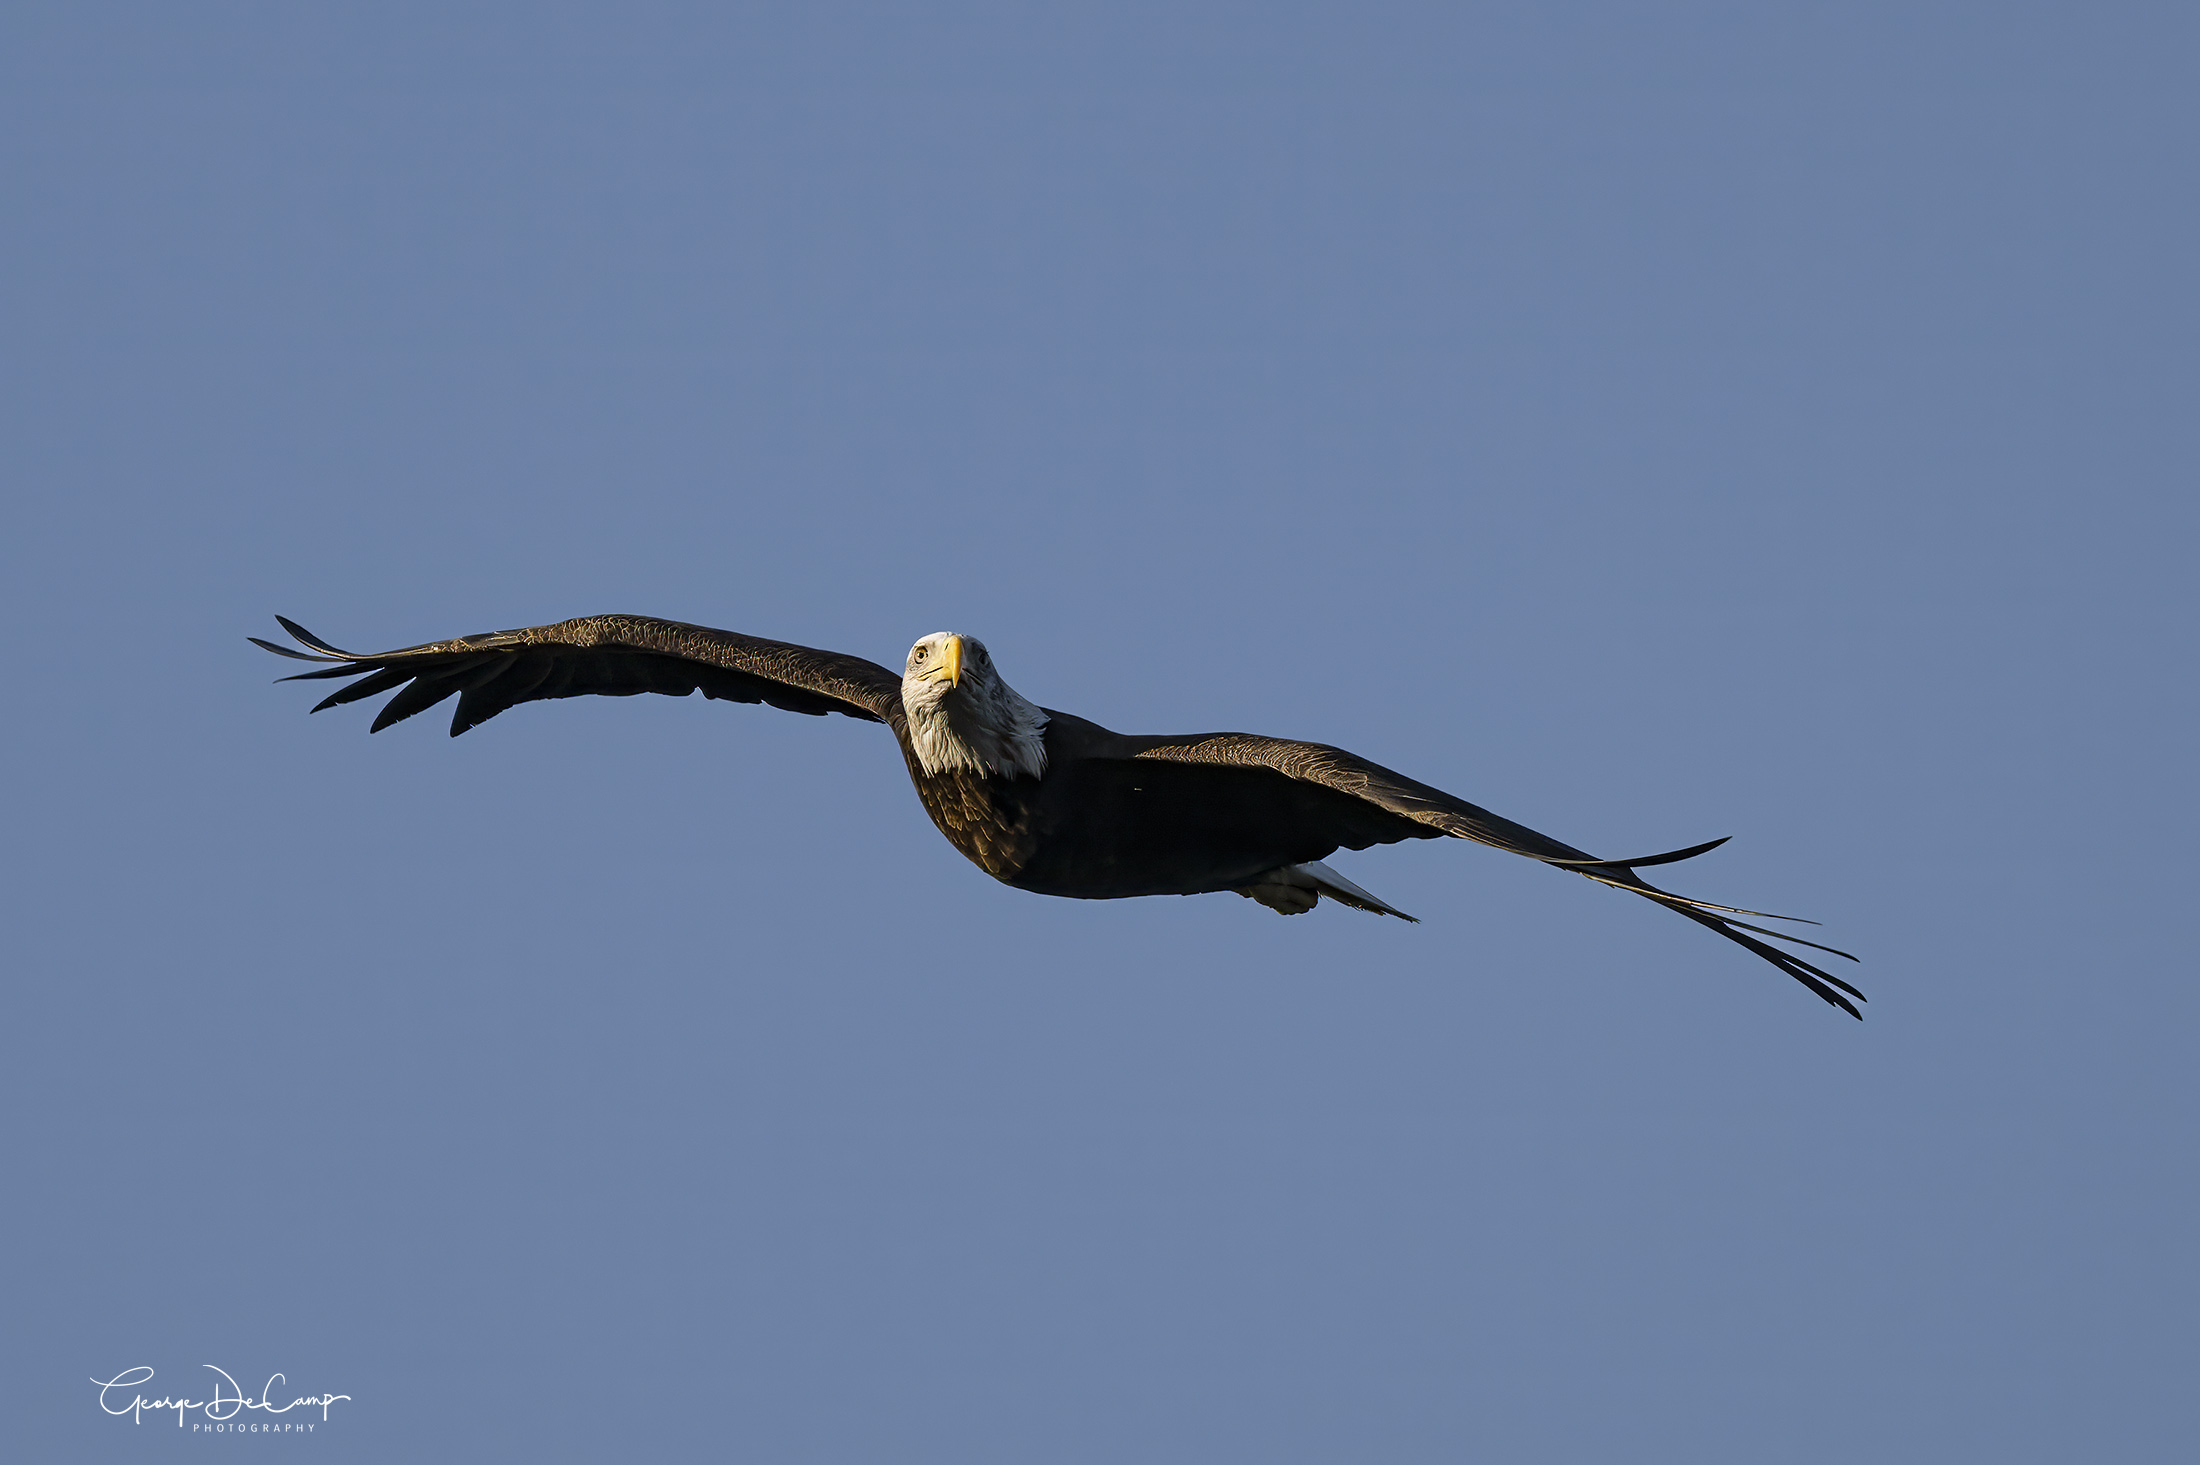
{"points": [[1653, 422]]}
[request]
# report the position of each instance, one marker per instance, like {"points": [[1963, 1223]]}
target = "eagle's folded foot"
{"points": [[1293, 890], [1289, 900]]}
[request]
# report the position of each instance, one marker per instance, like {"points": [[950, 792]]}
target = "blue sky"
{"points": [[1650, 422]]}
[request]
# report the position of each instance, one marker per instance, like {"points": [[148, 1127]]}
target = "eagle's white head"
{"points": [[963, 717]]}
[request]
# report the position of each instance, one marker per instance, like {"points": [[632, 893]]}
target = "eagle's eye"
{"points": [[920, 653]]}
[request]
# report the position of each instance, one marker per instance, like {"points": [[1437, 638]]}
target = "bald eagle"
{"points": [[1037, 799]]}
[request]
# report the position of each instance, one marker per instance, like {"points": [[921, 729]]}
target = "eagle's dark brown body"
{"points": [[1108, 820], [1110, 816]]}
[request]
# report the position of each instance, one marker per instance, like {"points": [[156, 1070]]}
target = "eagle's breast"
{"points": [[986, 816]]}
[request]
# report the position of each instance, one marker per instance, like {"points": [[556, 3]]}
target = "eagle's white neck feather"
{"points": [[983, 726]]}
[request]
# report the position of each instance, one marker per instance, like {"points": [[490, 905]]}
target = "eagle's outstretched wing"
{"points": [[1433, 810], [607, 656]]}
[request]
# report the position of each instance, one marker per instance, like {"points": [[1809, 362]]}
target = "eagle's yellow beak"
{"points": [[950, 664]]}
